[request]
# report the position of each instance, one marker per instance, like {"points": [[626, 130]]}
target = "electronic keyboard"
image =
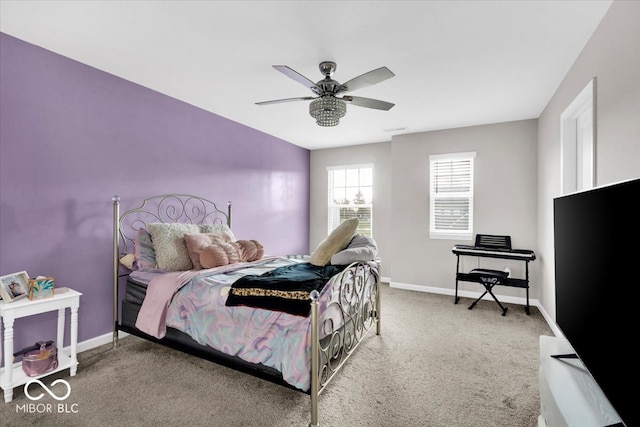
{"points": [[493, 246], [518, 254]]}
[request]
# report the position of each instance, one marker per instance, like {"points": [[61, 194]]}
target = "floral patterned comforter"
{"points": [[271, 338], [194, 302]]}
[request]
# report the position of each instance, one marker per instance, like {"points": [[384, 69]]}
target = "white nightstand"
{"points": [[13, 376]]}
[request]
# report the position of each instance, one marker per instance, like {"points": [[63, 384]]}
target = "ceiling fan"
{"points": [[327, 108]]}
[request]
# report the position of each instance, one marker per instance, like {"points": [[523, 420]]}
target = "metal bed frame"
{"points": [[358, 305]]}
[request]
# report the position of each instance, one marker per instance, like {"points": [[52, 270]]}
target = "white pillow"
{"points": [[171, 249]]}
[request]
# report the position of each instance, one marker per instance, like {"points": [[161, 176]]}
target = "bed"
{"points": [[293, 320]]}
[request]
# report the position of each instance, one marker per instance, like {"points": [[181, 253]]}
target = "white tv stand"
{"points": [[569, 397]]}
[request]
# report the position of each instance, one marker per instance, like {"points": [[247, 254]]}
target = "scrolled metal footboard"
{"points": [[344, 323]]}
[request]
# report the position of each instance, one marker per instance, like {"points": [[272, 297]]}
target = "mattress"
{"points": [[135, 291]]}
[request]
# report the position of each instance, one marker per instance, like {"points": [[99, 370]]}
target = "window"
{"points": [[451, 196], [578, 131], [351, 196]]}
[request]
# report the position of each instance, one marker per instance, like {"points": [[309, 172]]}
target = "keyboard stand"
{"points": [[491, 278]]}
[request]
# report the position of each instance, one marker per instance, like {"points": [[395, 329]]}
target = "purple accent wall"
{"points": [[72, 136]]}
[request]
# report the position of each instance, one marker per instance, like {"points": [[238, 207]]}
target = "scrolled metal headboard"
{"points": [[164, 208], [167, 208]]}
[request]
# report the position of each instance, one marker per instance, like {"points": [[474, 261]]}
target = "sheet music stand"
{"points": [[491, 241]]}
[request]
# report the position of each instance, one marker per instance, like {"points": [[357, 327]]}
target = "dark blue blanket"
{"points": [[284, 289]]}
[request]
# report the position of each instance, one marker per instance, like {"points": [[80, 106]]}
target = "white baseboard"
{"points": [[463, 293], [541, 421], [95, 342]]}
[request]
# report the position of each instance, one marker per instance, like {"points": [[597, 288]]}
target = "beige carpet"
{"points": [[435, 364]]}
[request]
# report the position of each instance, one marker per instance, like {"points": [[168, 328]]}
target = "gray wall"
{"points": [[613, 56], [505, 198]]}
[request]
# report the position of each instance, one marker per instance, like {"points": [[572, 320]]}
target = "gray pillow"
{"points": [[361, 248]]}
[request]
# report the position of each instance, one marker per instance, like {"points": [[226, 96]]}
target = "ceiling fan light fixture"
{"points": [[327, 110]]}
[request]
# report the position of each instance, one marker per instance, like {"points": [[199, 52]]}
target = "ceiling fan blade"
{"points": [[297, 77], [368, 102], [367, 79], [277, 101]]}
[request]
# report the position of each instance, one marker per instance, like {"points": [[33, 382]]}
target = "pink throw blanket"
{"points": [[160, 291]]}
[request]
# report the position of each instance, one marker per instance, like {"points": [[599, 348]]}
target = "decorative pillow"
{"points": [[217, 228], [361, 248], [249, 250], [335, 241], [144, 252], [197, 242], [219, 254], [128, 261], [168, 242]]}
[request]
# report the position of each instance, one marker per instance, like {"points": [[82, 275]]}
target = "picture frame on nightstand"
{"points": [[14, 286]]}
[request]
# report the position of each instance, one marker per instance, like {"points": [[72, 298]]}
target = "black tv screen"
{"points": [[597, 275]]}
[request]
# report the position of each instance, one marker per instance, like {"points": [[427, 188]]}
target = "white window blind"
{"points": [[451, 196], [351, 196]]}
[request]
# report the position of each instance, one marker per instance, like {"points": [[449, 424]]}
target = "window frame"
{"points": [[331, 206], [450, 234]]}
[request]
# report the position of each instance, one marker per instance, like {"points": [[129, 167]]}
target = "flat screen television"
{"points": [[597, 275]]}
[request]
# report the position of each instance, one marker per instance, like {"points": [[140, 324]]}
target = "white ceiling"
{"points": [[457, 63]]}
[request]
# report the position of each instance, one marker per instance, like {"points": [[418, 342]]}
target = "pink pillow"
{"points": [[219, 254], [249, 250], [197, 242]]}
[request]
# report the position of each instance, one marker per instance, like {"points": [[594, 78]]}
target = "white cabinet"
{"points": [[12, 375], [569, 396]]}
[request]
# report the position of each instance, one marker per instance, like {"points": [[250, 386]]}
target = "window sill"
{"points": [[451, 236]]}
